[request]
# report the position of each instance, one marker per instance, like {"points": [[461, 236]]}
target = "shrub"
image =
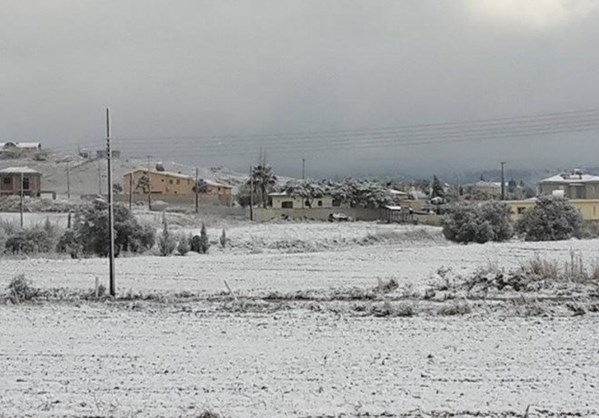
{"points": [[204, 243], [223, 238], [454, 308], [18, 244], [91, 228], [482, 222], [195, 244], [69, 243], [551, 219], [166, 241], [184, 244], [20, 289], [29, 241]]}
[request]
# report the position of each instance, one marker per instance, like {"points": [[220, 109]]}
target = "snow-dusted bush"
{"points": [[20, 290], [184, 244], [200, 243], [483, 222], [223, 238], [204, 243], [69, 243], [166, 241], [37, 239], [354, 192], [551, 219], [91, 229]]}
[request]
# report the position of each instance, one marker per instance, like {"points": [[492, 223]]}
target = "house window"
{"points": [[521, 210], [170, 181], [336, 203], [25, 183], [162, 180], [7, 181], [178, 181], [287, 205], [320, 203]]}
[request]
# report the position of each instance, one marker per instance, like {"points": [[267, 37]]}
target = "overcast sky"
{"points": [[195, 69]]}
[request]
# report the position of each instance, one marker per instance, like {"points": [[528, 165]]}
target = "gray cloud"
{"points": [[201, 68]]}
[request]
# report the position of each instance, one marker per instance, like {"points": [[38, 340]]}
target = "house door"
{"points": [[26, 183]]}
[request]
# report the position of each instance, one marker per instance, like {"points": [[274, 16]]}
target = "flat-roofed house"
{"points": [[575, 185], [10, 181], [173, 184]]}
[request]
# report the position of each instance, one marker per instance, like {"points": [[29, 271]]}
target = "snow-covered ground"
{"points": [[159, 359]]}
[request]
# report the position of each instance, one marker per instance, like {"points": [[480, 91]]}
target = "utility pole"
{"points": [[68, 181], [502, 180], [303, 168], [251, 193], [130, 190], [197, 191], [99, 178], [21, 204], [149, 186], [110, 206]]}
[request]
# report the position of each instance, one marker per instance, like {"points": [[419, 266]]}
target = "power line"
{"points": [[411, 135]]}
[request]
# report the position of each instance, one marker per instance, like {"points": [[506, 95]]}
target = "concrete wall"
{"points": [[176, 200], [321, 214]]}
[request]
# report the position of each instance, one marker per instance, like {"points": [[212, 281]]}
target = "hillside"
{"points": [[88, 176]]}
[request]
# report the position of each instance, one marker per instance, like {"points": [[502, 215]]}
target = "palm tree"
{"points": [[264, 181]]}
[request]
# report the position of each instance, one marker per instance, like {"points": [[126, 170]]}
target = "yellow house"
{"points": [[161, 182], [588, 208], [168, 183]]}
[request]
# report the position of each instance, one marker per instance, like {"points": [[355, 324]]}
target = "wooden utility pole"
{"points": [[251, 193], [130, 191], [110, 207], [303, 168], [21, 204], [502, 181], [68, 181], [197, 191], [99, 178], [149, 186]]}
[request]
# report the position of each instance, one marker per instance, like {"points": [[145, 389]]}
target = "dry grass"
{"points": [[20, 290], [454, 308]]}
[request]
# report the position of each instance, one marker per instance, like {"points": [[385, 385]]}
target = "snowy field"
{"points": [[176, 359]]}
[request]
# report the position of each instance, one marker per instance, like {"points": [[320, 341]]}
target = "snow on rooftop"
{"points": [[571, 178], [19, 170], [21, 144]]}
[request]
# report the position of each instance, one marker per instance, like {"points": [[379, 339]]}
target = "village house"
{"points": [[482, 190], [588, 208], [19, 149], [575, 185], [284, 200], [10, 181], [173, 184]]}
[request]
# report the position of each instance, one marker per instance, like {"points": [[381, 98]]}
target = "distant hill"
{"points": [[88, 176]]}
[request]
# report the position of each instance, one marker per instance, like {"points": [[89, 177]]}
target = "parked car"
{"points": [[339, 217]]}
